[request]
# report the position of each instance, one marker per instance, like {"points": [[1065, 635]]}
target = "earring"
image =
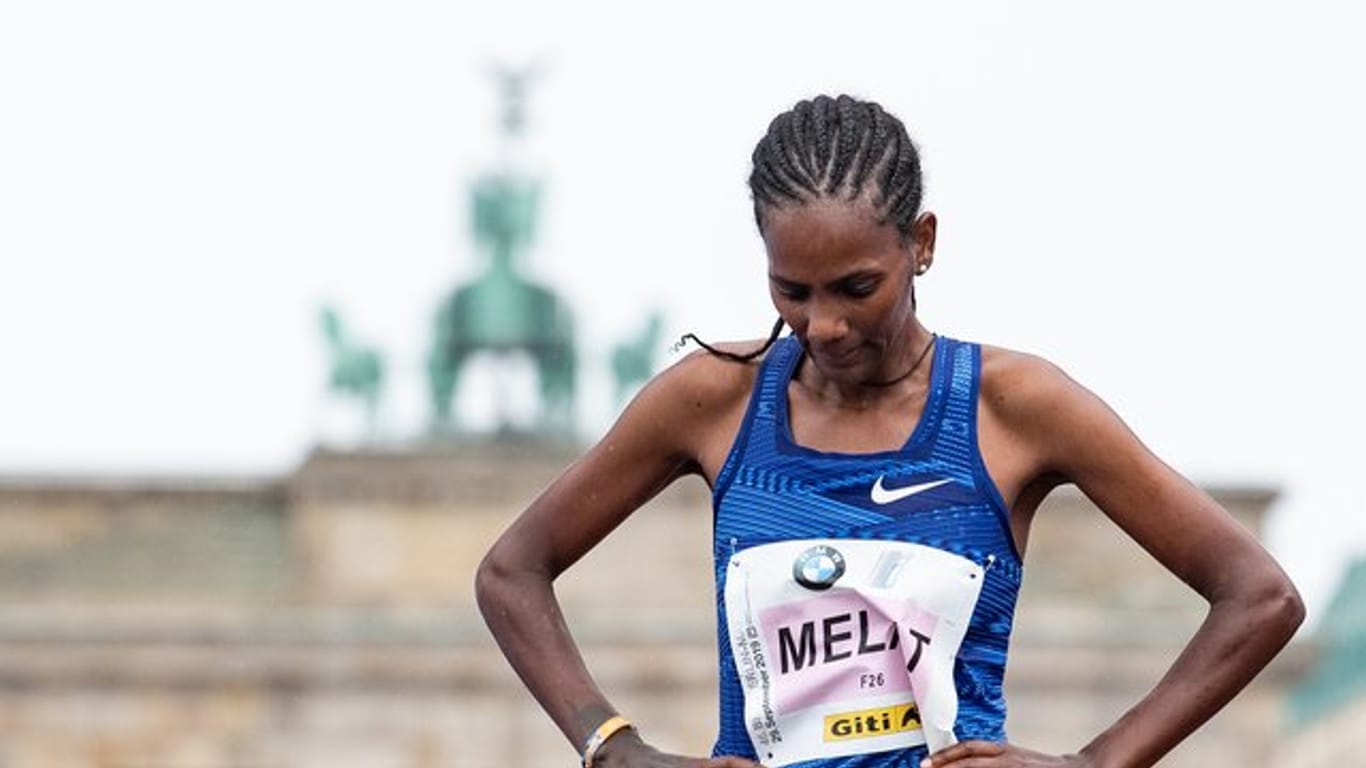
{"points": [[922, 268]]}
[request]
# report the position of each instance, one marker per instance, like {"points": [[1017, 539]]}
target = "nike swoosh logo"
{"points": [[883, 496]]}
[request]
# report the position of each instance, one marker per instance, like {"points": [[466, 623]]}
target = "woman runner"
{"points": [[873, 486]]}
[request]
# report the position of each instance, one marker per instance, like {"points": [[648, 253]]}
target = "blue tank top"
{"points": [[824, 533]]}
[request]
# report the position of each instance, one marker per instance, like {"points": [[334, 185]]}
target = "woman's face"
{"points": [[842, 281]]}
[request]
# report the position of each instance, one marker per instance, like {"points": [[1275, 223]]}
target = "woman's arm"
{"points": [[668, 431], [1064, 431]]}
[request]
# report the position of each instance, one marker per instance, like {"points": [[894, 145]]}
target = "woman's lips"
{"points": [[836, 358]]}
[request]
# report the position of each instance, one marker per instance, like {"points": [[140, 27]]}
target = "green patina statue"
{"points": [[356, 371], [633, 360], [502, 311]]}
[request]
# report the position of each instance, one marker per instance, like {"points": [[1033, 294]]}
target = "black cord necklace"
{"points": [[908, 373]]}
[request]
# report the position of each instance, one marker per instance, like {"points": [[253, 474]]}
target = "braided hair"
{"points": [[839, 148]]}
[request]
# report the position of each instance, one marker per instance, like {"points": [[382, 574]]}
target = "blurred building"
{"points": [[1328, 709], [327, 618]]}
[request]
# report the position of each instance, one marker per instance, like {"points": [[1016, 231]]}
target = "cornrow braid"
{"points": [[843, 148], [848, 148], [819, 115]]}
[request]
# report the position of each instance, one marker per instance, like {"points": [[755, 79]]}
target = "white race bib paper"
{"points": [[847, 646]]}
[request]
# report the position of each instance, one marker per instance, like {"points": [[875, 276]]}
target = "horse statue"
{"points": [[356, 371], [633, 361]]}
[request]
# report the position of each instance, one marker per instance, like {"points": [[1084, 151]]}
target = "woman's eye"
{"points": [[794, 294], [860, 290]]}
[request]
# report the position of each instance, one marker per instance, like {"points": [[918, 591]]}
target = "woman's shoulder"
{"points": [[1022, 385], [704, 378], [1037, 420], [694, 406], [1034, 399]]}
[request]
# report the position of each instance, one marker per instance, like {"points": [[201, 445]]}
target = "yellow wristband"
{"points": [[605, 731]]}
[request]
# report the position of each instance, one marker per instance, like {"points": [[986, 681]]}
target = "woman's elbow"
{"points": [[505, 576], [493, 579], [1289, 607], [1278, 605]]}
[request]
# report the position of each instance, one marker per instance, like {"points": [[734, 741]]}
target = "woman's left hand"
{"points": [[990, 754]]}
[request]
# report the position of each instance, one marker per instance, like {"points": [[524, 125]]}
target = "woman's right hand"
{"points": [[628, 750]]}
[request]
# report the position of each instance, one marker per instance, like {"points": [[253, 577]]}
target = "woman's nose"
{"points": [[825, 323]]}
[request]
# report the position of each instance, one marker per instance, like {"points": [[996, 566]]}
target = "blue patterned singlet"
{"points": [[805, 517]]}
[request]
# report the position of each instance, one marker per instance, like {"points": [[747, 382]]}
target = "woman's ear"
{"points": [[923, 233]]}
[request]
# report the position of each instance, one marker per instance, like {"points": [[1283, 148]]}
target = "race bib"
{"points": [[847, 646]]}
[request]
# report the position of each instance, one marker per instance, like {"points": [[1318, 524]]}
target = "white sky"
{"points": [[1162, 197]]}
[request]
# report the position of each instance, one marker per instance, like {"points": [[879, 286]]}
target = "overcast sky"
{"points": [[1163, 198]]}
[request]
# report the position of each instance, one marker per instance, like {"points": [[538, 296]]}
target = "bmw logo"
{"points": [[818, 568]]}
